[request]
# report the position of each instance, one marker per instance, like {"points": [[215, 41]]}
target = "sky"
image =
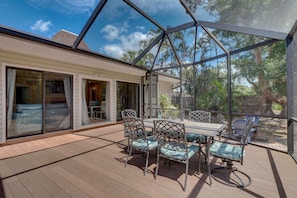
{"points": [[46, 17], [118, 28]]}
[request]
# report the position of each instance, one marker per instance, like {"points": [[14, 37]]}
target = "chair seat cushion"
{"points": [[142, 144], [177, 150], [226, 151], [191, 137]]}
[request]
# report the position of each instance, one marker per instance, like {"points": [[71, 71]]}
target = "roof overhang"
{"points": [[30, 48], [29, 45]]}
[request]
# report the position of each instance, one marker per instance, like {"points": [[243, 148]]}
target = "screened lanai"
{"points": [[236, 58]]}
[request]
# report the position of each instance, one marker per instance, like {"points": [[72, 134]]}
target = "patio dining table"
{"points": [[207, 129]]}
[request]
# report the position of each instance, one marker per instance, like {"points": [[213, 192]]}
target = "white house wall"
{"points": [[78, 71], [2, 105], [165, 88]]}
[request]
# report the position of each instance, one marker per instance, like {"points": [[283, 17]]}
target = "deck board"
{"points": [[91, 164], [16, 188], [49, 186], [63, 183]]}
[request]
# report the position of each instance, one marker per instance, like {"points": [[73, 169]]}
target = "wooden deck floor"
{"points": [[90, 164]]}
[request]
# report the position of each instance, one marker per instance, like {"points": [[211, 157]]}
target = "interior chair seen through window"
{"points": [[173, 145], [230, 152], [101, 111], [137, 138]]}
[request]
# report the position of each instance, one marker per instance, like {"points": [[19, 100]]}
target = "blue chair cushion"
{"points": [[141, 144], [177, 150], [191, 137], [227, 151]]}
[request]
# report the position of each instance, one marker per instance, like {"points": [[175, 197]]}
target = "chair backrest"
{"points": [[134, 128], [169, 131], [246, 132], [239, 126], [128, 112], [255, 119], [94, 103], [200, 116]]}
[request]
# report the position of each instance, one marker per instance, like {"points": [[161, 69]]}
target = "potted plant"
{"points": [[164, 103]]}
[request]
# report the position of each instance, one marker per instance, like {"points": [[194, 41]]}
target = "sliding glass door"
{"points": [[37, 102], [58, 102], [24, 102], [127, 97], [95, 101]]}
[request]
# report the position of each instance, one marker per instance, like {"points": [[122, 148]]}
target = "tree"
{"points": [[263, 67]]}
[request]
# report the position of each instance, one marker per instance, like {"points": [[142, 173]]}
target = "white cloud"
{"points": [[112, 32], [113, 50], [41, 26], [124, 41]]}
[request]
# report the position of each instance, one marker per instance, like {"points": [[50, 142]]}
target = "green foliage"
{"points": [[164, 101], [165, 104], [259, 72], [276, 106]]}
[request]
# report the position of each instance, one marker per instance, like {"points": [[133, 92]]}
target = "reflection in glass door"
{"points": [[24, 102], [57, 102], [127, 97], [37, 102]]}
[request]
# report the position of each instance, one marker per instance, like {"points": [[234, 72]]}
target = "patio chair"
{"points": [[198, 116], [255, 120], [230, 152], [173, 145], [238, 128], [137, 138], [128, 112]]}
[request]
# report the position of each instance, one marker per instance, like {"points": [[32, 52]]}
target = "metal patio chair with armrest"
{"points": [[198, 116], [230, 152], [132, 112], [255, 120], [137, 138], [238, 127], [173, 145]]}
